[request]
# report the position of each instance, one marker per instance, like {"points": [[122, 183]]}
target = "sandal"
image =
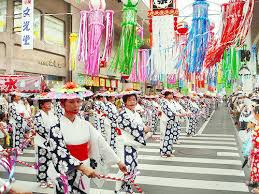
{"points": [[255, 190], [43, 185], [50, 184]]}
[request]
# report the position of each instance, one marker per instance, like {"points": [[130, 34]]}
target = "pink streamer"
{"points": [[90, 37], [139, 70], [95, 36], [82, 43], [109, 36]]}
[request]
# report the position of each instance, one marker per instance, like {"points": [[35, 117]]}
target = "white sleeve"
{"points": [[128, 140], [100, 148]]}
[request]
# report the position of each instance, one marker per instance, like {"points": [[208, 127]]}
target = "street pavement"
{"points": [[207, 163]]}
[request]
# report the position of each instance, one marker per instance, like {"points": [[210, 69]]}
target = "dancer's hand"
{"points": [[88, 171], [146, 129], [122, 167]]}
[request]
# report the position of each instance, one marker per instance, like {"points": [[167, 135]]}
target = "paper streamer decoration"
{"points": [[73, 46], [124, 58], [198, 38], [90, 36], [164, 49], [139, 71], [236, 20]]}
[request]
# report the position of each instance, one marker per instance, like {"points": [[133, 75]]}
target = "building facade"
{"points": [[51, 48], [54, 21]]}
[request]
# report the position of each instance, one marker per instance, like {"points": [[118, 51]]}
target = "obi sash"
{"points": [[80, 151]]}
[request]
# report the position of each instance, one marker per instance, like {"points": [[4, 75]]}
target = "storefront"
{"points": [[96, 83]]}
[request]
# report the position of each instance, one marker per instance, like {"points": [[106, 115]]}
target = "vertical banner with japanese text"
{"points": [[27, 24]]}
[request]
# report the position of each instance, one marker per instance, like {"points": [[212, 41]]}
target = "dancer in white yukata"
{"points": [[99, 113], [73, 142], [111, 125], [17, 121], [132, 138], [43, 120], [193, 118], [178, 119], [168, 126]]}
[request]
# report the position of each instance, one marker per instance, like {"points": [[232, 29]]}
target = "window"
{"points": [[54, 30], [3, 11], [37, 24], [18, 20]]}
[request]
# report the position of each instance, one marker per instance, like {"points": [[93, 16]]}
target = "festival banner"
{"points": [[23, 84], [27, 24]]}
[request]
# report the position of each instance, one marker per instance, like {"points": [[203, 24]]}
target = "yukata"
{"points": [[167, 128], [254, 157], [42, 123], [111, 124], [58, 110], [72, 144], [148, 114], [155, 116], [193, 118], [18, 125], [99, 117], [178, 108], [133, 137]]}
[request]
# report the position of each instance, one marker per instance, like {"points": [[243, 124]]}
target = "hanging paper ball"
{"points": [[130, 2], [182, 28], [97, 4]]}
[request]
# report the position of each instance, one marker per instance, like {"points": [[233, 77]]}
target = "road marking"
{"points": [[190, 183], [191, 170], [190, 160], [192, 146], [203, 142], [205, 124], [228, 154]]}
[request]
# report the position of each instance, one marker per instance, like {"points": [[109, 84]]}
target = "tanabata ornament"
{"points": [[93, 24], [236, 22], [73, 43], [123, 60], [198, 38]]}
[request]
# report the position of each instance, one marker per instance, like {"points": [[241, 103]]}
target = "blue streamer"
{"points": [[197, 43]]}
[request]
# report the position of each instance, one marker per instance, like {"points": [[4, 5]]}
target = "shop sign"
{"points": [[114, 83], [108, 83], [102, 82], [51, 63], [96, 81], [27, 24], [136, 86], [88, 81], [80, 79]]}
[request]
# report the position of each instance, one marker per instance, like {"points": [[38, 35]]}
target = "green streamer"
{"points": [[124, 58]]}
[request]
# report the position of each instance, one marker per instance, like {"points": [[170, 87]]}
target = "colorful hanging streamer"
{"points": [[124, 58], [90, 36], [198, 38], [73, 46]]}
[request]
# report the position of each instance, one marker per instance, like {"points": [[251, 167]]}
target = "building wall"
{"points": [[45, 58]]}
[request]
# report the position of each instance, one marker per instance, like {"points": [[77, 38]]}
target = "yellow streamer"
{"points": [[73, 44]]}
